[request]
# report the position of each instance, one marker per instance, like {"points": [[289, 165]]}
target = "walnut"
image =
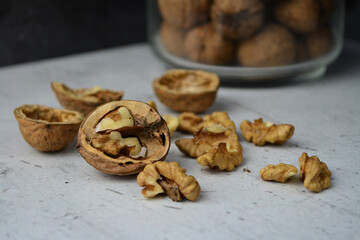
{"points": [[261, 132], [215, 146], [272, 46], [189, 122], [316, 174], [173, 39], [280, 173], [187, 90], [304, 16], [83, 100], [47, 129], [203, 44], [121, 137], [237, 19], [172, 122], [153, 174], [184, 13], [319, 42]]}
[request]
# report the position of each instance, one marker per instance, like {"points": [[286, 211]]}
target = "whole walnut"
{"points": [[173, 38], [272, 46], [237, 19], [203, 44], [184, 13], [304, 16], [319, 42]]}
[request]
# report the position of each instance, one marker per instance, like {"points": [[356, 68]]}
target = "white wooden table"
{"points": [[59, 196]]}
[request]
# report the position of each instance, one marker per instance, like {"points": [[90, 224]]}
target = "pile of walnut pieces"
{"points": [[256, 33]]}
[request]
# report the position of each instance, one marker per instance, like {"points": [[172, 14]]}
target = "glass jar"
{"points": [[249, 40]]}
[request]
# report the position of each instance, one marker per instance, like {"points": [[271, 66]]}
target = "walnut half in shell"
{"points": [[122, 137], [47, 129], [83, 100], [187, 90]]}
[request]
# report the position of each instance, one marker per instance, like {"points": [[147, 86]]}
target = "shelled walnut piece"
{"points": [[216, 145], [122, 137], [315, 174], [187, 90], [165, 171], [83, 100], [190, 122], [172, 122], [261, 132], [280, 173], [47, 129]]}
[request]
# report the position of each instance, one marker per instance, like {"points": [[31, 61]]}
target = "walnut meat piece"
{"points": [[215, 146], [184, 13], [279, 173], [172, 122], [189, 122], [153, 173], [272, 46], [83, 100], [122, 137], [237, 19], [187, 90], [203, 44], [47, 129], [173, 39], [261, 132], [315, 174]]}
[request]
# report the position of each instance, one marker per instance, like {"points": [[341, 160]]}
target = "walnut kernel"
{"points": [[172, 122], [189, 122], [280, 173]]}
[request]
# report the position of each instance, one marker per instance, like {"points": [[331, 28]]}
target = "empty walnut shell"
{"points": [[47, 129], [83, 100], [187, 90], [148, 127]]}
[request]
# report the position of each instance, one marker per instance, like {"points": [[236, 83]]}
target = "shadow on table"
{"points": [[348, 61]]}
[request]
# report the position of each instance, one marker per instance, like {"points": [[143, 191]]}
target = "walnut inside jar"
{"points": [[173, 38], [237, 19], [122, 137], [184, 13], [203, 44]]}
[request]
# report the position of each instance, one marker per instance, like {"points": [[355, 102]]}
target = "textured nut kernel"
{"points": [[187, 90], [172, 122], [119, 119], [47, 129], [280, 173], [184, 13], [125, 150], [152, 173], [217, 148], [315, 174], [261, 133], [189, 122], [237, 19], [83, 100], [171, 188], [203, 44], [272, 46]]}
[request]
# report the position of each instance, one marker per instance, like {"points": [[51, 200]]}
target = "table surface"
{"points": [[59, 196]]}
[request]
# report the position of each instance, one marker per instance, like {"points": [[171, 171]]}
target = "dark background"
{"points": [[37, 29]]}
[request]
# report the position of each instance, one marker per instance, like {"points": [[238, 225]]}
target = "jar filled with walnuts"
{"points": [[250, 40]]}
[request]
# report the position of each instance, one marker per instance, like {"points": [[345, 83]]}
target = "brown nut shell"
{"points": [[173, 39], [272, 46], [83, 100], [149, 127], [187, 90], [47, 129]]}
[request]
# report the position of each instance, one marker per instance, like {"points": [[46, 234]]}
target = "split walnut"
{"points": [[47, 129], [280, 173], [216, 145], [83, 100], [190, 122], [261, 132], [315, 174], [121, 137], [170, 177], [187, 90]]}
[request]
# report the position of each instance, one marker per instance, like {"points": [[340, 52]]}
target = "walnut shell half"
{"points": [[47, 129], [187, 90], [83, 100], [122, 137]]}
